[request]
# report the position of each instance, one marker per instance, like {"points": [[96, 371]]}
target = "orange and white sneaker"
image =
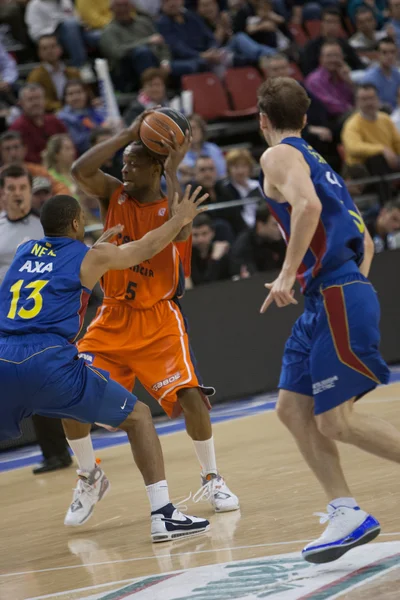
{"points": [[214, 489], [91, 488]]}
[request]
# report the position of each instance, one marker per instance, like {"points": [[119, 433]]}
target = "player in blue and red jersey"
{"points": [[331, 358], [43, 300]]}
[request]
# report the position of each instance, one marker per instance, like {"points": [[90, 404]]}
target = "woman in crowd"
{"points": [[78, 115], [58, 157], [199, 147]]}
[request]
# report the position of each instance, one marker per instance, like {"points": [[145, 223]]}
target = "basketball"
{"points": [[157, 126]]}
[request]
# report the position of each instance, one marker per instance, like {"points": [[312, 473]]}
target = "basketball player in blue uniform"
{"points": [[331, 358], [43, 300]]}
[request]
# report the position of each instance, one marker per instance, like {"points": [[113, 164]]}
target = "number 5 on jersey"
{"points": [[36, 296], [131, 291]]}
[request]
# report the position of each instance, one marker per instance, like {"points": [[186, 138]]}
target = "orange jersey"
{"points": [[160, 278]]}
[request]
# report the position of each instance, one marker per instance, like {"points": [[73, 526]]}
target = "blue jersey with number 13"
{"points": [[42, 292], [338, 242]]}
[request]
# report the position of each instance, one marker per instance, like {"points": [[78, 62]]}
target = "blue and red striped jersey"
{"points": [[42, 292], [339, 237]]}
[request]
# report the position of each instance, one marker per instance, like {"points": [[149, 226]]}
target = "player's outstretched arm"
{"points": [[174, 159], [86, 170], [286, 170], [105, 257]]}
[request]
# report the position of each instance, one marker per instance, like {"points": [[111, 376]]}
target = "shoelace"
{"points": [[205, 492], [325, 517]]}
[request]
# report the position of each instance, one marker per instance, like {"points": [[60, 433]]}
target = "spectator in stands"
{"points": [[94, 16], [52, 74], [58, 158], [367, 35], [245, 50], [45, 17], [393, 25], [113, 166], [383, 224], [41, 192], [262, 24], [34, 125], [260, 248], [395, 116], [331, 82], [210, 258], [239, 185], [131, 44], [19, 224], [378, 6], [78, 114], [12, 16], [153, 93], [8, 75], [189, 39], [330, 29], [199, 147], [369, 136], [13, 151], [385, 76], [151, 7]]}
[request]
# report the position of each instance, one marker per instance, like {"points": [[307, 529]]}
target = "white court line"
{"points": [[140, 558], [85, 589]]}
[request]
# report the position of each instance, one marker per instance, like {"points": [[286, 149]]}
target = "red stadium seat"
{"points": [[313, 28], [299, 34], [210, 99], [242, 84]]}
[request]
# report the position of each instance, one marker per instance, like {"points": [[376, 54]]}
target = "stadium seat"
{"points": [[313, 28], [210, 99], [242, 84], [300, 37]]}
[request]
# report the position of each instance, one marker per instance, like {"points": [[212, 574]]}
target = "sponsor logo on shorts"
{"points": [[122, 199], [162, 212], [89, 358], [325, 384], [165, 382]]}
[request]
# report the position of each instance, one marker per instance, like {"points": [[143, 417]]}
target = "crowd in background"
{"points": [[346, 54]]}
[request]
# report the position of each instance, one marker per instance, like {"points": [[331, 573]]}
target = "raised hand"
{"points": [[189, 207]]}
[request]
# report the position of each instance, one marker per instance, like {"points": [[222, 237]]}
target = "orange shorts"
{"points": [[152, 345]]}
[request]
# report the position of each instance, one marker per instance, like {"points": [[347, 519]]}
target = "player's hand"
{"points": [[280, 291], [106, 236], [189, 207], [176, 153], [134, 129]]}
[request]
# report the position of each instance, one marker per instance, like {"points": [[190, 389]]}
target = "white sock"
{"points": [[205, 452], [83, 450], [158, 495], [348, 502]]}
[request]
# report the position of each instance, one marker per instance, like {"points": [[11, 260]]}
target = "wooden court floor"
{"points": [[248, 554]]}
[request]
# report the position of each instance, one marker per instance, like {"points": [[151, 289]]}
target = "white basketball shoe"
{"points": [[168, 523], [214, 489], [91, 488], [347, 529]]}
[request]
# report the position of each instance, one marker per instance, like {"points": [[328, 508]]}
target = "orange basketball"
{"points": [[157, 126]]}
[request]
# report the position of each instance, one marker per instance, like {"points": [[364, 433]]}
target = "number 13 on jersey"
{"points": [[35, 296]]}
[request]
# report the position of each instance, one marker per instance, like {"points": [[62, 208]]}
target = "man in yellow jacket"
{"points": [[369, 136]]}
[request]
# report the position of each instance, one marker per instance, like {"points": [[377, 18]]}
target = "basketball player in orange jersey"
{"points": [[139, 330]]}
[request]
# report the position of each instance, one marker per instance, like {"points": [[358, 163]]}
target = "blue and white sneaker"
{"points": [[169, 524], [347, 528]]}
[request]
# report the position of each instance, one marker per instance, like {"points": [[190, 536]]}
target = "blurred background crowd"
{"points": [[207, 58]]}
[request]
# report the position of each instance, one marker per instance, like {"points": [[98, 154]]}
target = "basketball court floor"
{"points": [[246, 555]]}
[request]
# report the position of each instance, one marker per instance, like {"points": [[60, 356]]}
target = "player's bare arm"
{"points": [[104, 257], [369, 251], [288, 179], [174, 159], [87, 169]]}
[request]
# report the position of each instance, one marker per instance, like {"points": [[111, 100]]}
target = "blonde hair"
{"points": [[239, 155], [53, 147]]}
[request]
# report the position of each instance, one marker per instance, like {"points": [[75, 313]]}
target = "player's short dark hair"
{"points": [[263, 214], [58, 213], [150, 156], [203, 220], [386, 40], [330, 11], [285, 102], [14, 171]]}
